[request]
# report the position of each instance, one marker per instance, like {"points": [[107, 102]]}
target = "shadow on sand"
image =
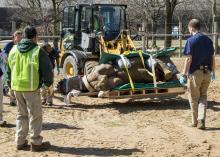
{"points": [[94, 151], [54, 126], [176, 103]]}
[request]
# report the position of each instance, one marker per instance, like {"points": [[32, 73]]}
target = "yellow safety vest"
{"points": [[24, 69]]}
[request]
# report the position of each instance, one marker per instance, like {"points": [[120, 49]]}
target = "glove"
{"points": [[183, 79], [49, 89], [213, 77]]}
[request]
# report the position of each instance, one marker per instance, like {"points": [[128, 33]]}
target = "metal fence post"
{"points": [[13, 27], [215, 26], [143, 36], [180, 36]]}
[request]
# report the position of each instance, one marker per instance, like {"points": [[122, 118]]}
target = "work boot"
{"points": [[49, 104], [12, 103], [43, 102], [37, 148], [5, 91], [201, 124], [23, 146], [193, 125], [3, 123]]}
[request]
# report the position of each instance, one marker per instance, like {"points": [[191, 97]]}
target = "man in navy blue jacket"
{"points": [[53, 54], [199, 67], [17, 36]]}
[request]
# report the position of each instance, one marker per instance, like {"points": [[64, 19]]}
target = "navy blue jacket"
{"points": [[200, 47]]}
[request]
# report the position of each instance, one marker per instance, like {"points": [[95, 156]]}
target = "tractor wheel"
{"points": [[89, 65], [70, 68]]}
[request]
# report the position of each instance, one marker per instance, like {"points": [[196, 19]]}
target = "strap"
{"points": [[142, 60], [80, 83], [67, 86], [129, 76], [13, 51], [32, 68], [153, 70], [88, 86]]}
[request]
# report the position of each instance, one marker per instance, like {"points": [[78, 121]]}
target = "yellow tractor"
{"points": [[98, 33], [88, 30]]}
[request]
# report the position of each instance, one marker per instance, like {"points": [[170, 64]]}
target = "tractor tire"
{"points": [[70, 67], [89, 65]]}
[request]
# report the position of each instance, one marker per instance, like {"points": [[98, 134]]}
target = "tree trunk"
{"points": [[170, 6], [215, 26], [55, 23], [55, 29], [168, 26], [154, 30]]}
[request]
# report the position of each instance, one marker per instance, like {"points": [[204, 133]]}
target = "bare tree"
{"points": [[42, 13], [57, 7], [170, 6], [148, 11], [32, 12]]}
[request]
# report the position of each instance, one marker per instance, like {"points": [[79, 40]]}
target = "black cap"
{"points": [[30, 32]]}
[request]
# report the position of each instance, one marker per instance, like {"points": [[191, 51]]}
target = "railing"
{"points": [[41, 39], [178, 40]]}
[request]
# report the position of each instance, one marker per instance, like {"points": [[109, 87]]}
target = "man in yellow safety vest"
{"points": [[29, 67]]}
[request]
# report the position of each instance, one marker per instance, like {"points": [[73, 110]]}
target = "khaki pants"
{"points": [[29, 117], [198, 84], [1, 98]]}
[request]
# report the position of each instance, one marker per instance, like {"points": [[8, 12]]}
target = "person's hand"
{"points": [[213, 77], [49, 89], [58, 71], [183, 79]]}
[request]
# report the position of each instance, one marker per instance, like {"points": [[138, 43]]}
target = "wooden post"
{"points": [[215, 26], [13, 27], [143, 36], [180, 36], [146, 37]]}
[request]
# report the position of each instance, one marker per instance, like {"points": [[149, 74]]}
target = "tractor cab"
{"points": [[82, 24], [110, 20]]}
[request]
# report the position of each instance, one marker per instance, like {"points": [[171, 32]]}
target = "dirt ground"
{"points": [[102, 127]]}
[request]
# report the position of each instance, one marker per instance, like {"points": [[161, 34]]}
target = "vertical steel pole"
{"points": [[215, 26], [180, 36]]}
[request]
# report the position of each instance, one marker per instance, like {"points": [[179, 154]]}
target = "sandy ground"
{"points": [[102, 127]]}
